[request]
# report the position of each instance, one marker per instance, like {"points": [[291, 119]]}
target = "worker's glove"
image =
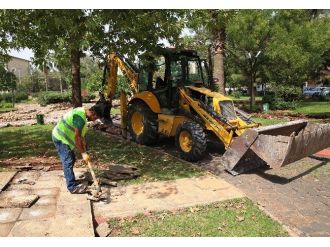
{"points": [[85, 157]]}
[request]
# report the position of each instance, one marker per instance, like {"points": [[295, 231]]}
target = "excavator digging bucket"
{"points": [[275, 145]]}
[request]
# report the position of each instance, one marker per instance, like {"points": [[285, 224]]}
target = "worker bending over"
{"points": [[69, 133]]}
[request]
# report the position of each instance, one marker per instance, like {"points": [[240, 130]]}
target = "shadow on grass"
{"points": [[26, 141]]}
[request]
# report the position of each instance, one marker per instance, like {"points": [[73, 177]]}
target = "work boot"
{"points": [[79, 189]]}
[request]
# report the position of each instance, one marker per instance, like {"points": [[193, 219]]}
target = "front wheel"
{"points": [[142, 123], [190, 139]]}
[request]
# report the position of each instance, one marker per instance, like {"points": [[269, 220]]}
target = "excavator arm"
{"points": [[115, 61]]}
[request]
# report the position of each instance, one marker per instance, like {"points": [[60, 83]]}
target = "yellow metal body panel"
{"points": [[238, 123], [208, 92], [150, 99], [210, 123], [168, 124]]}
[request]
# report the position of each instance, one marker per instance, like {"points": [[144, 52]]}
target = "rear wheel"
{"points": [[142, 123], [190, 138]]}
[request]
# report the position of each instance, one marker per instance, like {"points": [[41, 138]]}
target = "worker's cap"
{"points": [[97, 109]]}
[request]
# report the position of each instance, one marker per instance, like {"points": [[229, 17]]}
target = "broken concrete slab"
{"points": [[5, 178], [8, 215], [41, 212], [103, 230], [23, 201], [29, 176]]}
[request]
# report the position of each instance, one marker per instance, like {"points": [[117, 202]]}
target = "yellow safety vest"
{"points": [[64, 130]]}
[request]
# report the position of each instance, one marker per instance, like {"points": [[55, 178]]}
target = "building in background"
{"points": [[19, 66]]}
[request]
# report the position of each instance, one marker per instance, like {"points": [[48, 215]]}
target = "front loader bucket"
{"points": [[275, 145]]}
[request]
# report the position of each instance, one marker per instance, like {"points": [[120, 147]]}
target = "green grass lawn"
{"points": [[36, 141], [232, 218], [268, 121], [245, 98], [313, 109]]}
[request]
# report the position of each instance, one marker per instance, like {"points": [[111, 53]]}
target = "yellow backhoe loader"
{"points": [[172, 96]]}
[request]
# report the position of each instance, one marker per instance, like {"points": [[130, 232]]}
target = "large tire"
{"points": [[142, 123], [190, 139]]}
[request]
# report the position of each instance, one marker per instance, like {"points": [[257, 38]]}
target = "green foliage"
{"points": [[8, 80], [19, 96], [282, 96], [46, 98], [91, 74], [297, 46], [237, 94], [4, 105]]}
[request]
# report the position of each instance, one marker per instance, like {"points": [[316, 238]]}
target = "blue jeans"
{"points": [[67, 158]]}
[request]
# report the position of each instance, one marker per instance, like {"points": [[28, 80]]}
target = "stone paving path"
{"points": [[164, 195], [56, 213], [297, 195]]}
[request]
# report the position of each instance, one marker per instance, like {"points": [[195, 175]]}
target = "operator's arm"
{"points": [[79, 141], [78, 124]]}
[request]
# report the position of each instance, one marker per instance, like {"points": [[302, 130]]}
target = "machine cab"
{"points": [[171, 69]]}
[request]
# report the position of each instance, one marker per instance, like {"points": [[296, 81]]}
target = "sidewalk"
{"points": [[56, 213], [165, 195]]}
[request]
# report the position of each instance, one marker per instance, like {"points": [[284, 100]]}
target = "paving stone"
{"points": [[24, 201], [64, 226], [47, 191], [211, 183], [41, 212], [73, 210], [28, 175], [45, 184], [5, 228], [31, 228], [5, 178], [166, 195], [66, 197], [46, 200], [298, 202], [320, 229], [8, 215]]}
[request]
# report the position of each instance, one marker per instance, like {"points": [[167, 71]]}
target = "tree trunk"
{"points": [[61, 86], [76, 82], [218, 43], [252, 91], [46, 77], [210, 66]]}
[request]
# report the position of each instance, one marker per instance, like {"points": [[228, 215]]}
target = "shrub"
{"points": [[19, 96], [237, 94], [281, 97], [46, 98], [4, 105]]}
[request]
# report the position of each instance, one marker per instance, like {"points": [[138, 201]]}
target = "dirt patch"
{"points": [[25, 113], [32, 163]]}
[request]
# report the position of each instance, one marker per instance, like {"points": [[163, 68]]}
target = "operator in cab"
{"points": [[69, 133]]}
